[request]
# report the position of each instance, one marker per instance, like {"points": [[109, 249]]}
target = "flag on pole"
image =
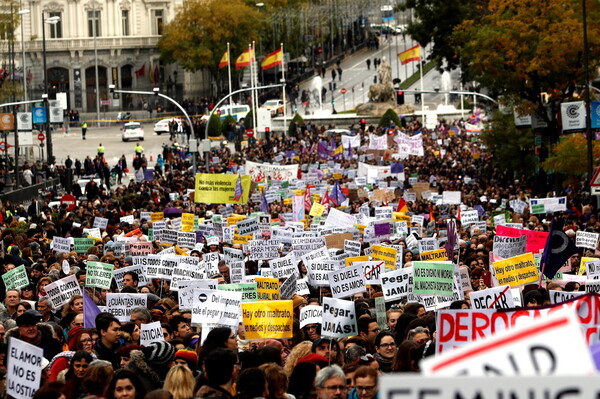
{"points": [[244, 59], [90, 311], [264, 205], [412, 54], [402, 207], [141, 71], [559, 248], [273, 59], [239, 190], [224, 60], [337, 197], [307, 200]]}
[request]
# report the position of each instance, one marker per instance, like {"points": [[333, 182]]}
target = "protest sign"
{"points": [[167, 264], [120, 305], [339, 318], [221, 188], [339, 218], [347, 281], [436, 255], [288, 288], [94, 232], [187, 222], [516, 271], [536, 240], [337, 240], [216, 307], [16, 278], [247, 226], [465, 280], [316, 209], [303, 245], [140, 270], [383, 212], [371, 271], [188, 287], [435, 278], [267, 288], [311, 314], [283, 267], [151, 332], [302, 287], [318, 271], [187, 268], [263, 249], [592, 286], [157, 216], [100, 223], [186, 239], [317, 254], [352, 248], [428, 244], [469, 217], [237, 271], [248, 290], [60, 291], [60, 244], [232, 254], [396, 284], [24, 368], [553, 345], [584, 239], [385, 254], [507, 247], [270, 319], [138, 248], [263, 171], [82, 244], [492, 298], [563, 296], [211, 263], [150, 262], [99, 274]]}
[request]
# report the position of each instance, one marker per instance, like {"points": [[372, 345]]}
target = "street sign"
{"points": [[2, 145], [595, 182], [69, 200], [343, 90], [41, 137]]}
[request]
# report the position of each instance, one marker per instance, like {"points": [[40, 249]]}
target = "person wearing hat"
{"points": [[189, 358], [151, 363], [29, 330]]}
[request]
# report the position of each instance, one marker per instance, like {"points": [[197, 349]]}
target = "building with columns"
{"points": [[118, 36]]}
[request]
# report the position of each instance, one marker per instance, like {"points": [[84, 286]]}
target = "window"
{"points": [[157, 22], [125, 22], [94, 23], [55, 28]]}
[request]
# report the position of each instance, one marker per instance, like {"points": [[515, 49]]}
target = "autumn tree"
{"points": [[569, 157], [198, 35], [519, 49]]}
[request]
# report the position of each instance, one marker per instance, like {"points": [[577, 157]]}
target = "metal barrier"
{"points": [[27, 193]]}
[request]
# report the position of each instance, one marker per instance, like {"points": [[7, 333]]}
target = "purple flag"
{"points": [[264, 205], [382, 229], [323, 151], [239, 190], [337, 195], [480, 210], [452, 239], [90, 311], [397, 167]]}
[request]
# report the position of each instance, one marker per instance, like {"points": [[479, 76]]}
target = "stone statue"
{"points": [[384, 90]]}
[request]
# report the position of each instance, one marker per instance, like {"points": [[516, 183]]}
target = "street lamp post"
{"points": [[51, 20], [95, 20], [21, 13]]}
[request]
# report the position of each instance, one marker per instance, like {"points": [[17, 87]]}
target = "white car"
{"points": [[275, 106], [162, 126], [132, 131]]}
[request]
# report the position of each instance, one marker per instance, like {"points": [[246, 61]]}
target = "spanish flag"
{"points": [[412, 54], [402, 207], [224, 60], [244, 59], [273, 59]]}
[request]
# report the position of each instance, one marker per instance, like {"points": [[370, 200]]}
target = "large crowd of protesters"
{"points": [[107, 360]]}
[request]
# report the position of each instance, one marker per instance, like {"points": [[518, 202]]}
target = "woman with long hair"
{"points": [[220, 337], [125, 384], [180, 382], [75, 304]]}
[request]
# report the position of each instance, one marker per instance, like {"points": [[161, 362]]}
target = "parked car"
{"points": [[386, 29], [237, 111], [275, 106], [162, 126], [132, 131]]}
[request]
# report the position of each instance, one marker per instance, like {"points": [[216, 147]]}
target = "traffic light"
{"points": [[400, 97]]}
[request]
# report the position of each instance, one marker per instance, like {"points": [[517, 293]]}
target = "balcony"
{"points": [[87, 43]]}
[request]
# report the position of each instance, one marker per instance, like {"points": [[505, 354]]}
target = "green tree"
{"points": [[569, 156], [228, 119], [214, 126], [198, 35], [519, 49], [389, 115], [292, 126], [512, 148]]}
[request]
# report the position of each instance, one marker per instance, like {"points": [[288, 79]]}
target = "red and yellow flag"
{"points": [[224, 60], [402, 207], [273, 59], [244, 59], [412, 54]]}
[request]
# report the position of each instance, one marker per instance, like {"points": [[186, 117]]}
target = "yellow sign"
{"points": [[316, 209], [187, 222], [386, 254], [267, 288], [583, 267], [338, 176], [401, 217], [157, 216], [269, 319], [220, 188], [234, 219], [287, 201], [438, 254], [352, 259], [238, 239], [516, 271], [179, 251]]}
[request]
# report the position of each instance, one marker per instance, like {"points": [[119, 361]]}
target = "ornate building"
{"points": [[123, 34]]}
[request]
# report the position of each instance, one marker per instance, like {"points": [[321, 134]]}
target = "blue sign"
{"points": [[595, 114], [39, 115]]}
